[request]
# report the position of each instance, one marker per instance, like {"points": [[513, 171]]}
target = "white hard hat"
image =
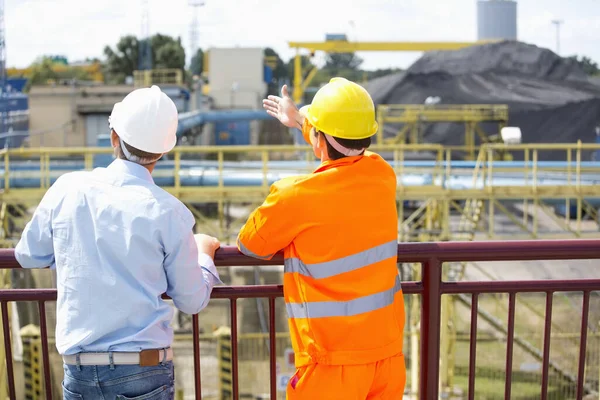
{"points": [[147, 120]]}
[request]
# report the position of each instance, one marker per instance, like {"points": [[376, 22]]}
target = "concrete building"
{"points": [[236, 77], [67, 116], [496, 20]]}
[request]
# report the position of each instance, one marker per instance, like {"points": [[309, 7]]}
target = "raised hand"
{"points": [[283, 108]]}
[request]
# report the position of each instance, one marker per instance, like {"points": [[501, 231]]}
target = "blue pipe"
{"points": [[192, 119], [26, 174]]}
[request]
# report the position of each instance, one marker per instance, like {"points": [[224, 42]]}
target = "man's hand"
{"points": [[207, 244], [284, 109]]}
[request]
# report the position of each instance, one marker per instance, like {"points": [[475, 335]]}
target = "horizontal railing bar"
{"points": [[506, 250], [28, 294], [246, 292], [219, 292], [550, 285]]}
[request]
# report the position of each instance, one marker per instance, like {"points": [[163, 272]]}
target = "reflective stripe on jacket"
{"points": [[338, 228]]}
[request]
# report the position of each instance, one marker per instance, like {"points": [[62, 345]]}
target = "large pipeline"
{"points": [[26, 174], [195, 118]]}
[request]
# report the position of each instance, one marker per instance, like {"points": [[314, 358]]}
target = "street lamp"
{"points": [[557, 23]]}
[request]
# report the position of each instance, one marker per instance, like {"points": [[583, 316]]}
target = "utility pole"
{"points": [[557, 23], [3, 94]]}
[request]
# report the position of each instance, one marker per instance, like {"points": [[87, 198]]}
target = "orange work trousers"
{"points": [[381, 380]]}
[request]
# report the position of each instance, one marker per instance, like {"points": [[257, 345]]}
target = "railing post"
{"points": [[430, 329]]}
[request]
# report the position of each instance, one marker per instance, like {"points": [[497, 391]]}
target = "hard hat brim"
{"points": [[304, 111]]}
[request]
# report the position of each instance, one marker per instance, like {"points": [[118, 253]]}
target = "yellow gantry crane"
{"points": [[344, 46]]}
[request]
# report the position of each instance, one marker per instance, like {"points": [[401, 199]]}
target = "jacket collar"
{"points": [[131, 169], [329, 164]]}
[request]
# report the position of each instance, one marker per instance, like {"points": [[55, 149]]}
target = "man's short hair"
{"points": [[353, 144], [139, 156]]}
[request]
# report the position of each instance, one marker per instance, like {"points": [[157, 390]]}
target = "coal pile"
{"points": [[550, 98]]}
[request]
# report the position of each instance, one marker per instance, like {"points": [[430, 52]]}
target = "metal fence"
{"points": [[430, 289]]}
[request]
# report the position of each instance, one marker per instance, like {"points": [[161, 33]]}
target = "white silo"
{"points": [[496, 19]]}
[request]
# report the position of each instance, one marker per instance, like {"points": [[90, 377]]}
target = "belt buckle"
{"points": [[149, 358]]}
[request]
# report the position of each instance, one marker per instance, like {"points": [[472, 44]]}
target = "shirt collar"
{"points": [[131, 168], [325, 165]]}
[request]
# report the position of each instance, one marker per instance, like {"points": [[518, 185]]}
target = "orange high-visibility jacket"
{"points": [[338, 228]]}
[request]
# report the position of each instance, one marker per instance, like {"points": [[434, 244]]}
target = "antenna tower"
{"points": [[194, 28], [145, 50]]}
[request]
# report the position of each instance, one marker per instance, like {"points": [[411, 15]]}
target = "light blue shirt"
{"points": [[117, 242]]}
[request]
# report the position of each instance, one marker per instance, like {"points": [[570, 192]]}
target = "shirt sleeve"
{"points": [[191, 275], [272, 226], [35, 248]]}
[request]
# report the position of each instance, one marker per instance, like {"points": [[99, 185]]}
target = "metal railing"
{"points": [[407, 113], [227, 175], [165, 76], [411, 116], [430, 288], [438, 160]]}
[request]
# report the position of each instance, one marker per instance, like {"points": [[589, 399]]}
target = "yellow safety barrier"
{"points": [[435, 201], [32, 356], [224, 356], [412, 117], [147, 78]]}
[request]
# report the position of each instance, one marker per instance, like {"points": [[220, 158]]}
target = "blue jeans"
{"points": [[121, 382]]}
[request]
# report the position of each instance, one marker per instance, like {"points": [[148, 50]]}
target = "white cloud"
{"points": [[36, 27]]}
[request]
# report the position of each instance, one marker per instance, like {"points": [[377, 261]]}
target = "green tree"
{"points": [[122, 61], [382, 72], [339, 61], [46, 69], [588, 65], [167, 52], [170, 55], [41, 72], [280, 71], [197, 64]]}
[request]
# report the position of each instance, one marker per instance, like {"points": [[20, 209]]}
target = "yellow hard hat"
{"points": [[342, 109]]}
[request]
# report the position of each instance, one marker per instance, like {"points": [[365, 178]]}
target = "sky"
{"points": [[82, 28]]}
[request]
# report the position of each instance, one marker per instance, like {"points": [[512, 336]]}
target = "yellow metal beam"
{"points": [[343, 46], [309, 78], [413, 115], [349, 47], [410, 113], [298, 92]]}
